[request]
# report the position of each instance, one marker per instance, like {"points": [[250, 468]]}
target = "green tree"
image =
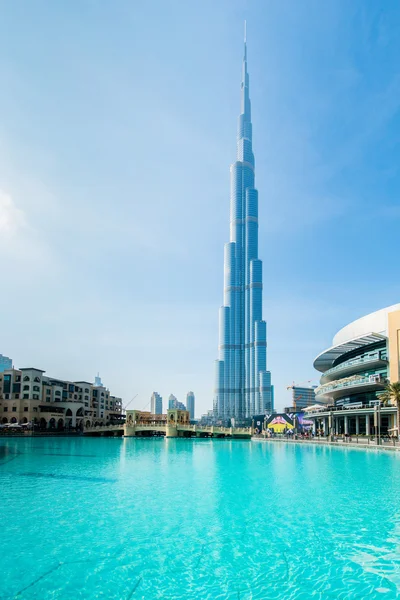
{"points": [[391, 395]]}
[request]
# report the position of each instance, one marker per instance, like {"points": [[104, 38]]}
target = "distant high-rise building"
{"points": [[303, 396], [97, 380], [5, 363], [242, 382], [190, 399], [173, 402], [156, 404]]}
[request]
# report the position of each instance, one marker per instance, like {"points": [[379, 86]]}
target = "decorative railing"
{"points": [[350, 406], [353, 381], [189, 427], [357, 361]]}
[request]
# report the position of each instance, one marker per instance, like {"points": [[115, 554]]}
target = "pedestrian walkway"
{"points": [[360, 442]]}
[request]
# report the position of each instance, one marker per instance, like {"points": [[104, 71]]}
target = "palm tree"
{"points": [[391, 395]]}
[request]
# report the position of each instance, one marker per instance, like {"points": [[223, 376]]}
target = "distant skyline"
{"points": [[115, 142]]}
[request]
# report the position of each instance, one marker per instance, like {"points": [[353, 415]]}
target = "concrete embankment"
{"points": [[339, 443]]}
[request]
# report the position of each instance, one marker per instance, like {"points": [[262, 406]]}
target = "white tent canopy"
{"points": [[314, 407]]}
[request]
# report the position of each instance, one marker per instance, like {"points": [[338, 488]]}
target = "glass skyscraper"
{"points": [[190, 400], [242, 384], [156, 404], [5, 363]]}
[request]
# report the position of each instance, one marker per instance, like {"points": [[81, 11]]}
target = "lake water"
{"points": [[135, 519]]}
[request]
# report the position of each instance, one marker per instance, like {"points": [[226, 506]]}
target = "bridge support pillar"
{"points": [[129, 431], [172, 431]]}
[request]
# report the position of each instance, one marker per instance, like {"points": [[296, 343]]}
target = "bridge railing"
{"points": [[102, 427], [147, 425]]}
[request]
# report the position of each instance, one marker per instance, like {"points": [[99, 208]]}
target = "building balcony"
{"points": [[327, 358], [349, 409], [354, 384], [377, 361], [67, 400], [51, 410]]}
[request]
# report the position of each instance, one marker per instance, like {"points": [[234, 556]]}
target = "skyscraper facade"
{"points": [[173, 402], [242, 383], [5, 363], [190, 399], [303, 396], [156, 404]]}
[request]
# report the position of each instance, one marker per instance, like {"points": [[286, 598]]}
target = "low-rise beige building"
{"points": [[27, 395]]}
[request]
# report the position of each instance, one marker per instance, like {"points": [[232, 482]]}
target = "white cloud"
{"points": [[12, 218], [20, 242]]}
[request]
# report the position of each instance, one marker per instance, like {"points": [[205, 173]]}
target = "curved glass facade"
{"points": [[242, 382], [355, 377]]}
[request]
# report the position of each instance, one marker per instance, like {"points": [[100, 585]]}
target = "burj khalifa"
{"points": [[242, 383]]}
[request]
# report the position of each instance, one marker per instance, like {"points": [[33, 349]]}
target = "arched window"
{"points": [[26, 387], [36, 388], [37, 379], [13, 420], [68, 413], [26, 378], [86, 390]]}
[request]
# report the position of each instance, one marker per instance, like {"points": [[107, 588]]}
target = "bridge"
{"points": [[176, 423]]}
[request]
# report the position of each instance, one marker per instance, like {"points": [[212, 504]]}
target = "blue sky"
{"points": [[117, 128]]}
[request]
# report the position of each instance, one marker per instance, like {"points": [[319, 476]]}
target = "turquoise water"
{"points": [[142, 519]]}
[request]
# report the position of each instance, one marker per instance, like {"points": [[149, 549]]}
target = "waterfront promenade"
{"points": [[360, 442]]}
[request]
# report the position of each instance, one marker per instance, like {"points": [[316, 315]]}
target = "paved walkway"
{"points": [[361, 443]]}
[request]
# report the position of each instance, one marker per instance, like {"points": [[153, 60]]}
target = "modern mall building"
{"points": [[355, 370]]}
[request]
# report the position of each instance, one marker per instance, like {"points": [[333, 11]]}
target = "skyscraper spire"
{"points": [[243, 385]]}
